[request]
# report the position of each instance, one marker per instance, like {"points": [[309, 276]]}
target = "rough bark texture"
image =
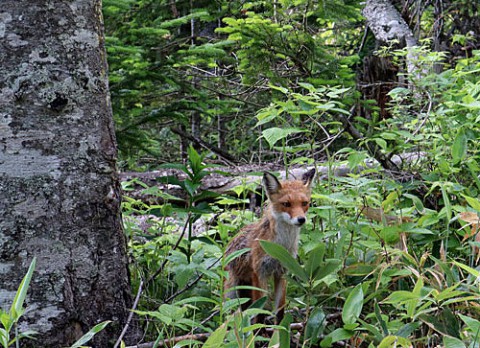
{"points": [[58, 184], [387, 24]]}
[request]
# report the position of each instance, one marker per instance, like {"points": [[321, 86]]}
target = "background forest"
{"points": [[390, 119]]}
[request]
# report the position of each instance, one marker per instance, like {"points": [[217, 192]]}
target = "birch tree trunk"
{"points": [[59, 192], [387, 24]]}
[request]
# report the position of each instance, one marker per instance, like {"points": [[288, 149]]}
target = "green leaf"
{"points": [[473, 202], [229, 258], [401, 296], [195, 299], [395, 341], [446, 202], [272, 135], [328, 268], [380, 320], [266, 115], [353, 306], [412, 304], [314, 259], [4, 338], [335, 336], [17, 306], [283, 256], [452, 342], [469, 269], [6, 320], [279, 88], [216, 338], [381, 143], [473, 324], [459, 147], [417, 202], [89, 335], [284, 335], [315, 323]]}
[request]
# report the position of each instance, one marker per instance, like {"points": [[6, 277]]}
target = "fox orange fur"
{"points": [[285, 214]]}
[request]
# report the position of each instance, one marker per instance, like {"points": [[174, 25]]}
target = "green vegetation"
{"points": [[390, 254], [10, 334]]}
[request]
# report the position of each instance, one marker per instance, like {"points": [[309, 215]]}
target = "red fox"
{"points": [[281, 223]]}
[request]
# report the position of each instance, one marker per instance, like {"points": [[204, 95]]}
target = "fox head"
{"points": [[289, 200]]}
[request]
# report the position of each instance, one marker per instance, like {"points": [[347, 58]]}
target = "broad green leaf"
{"points": [[401, 296], [314, 324], [452, 342], [233, 304], [381, 143], [173, 312], [17, 306], [473, 324], [283, 256], [328, 268], [266, 115], [408, 329], [353, 305], [459, 147], [216, 338], [412, 304], [89, 335], [314, 259], [473, 202], [272, 135], [395, 341], [335, 336], [416, 202]]}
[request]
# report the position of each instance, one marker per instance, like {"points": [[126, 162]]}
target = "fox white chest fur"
{"points": [[287, 235]]}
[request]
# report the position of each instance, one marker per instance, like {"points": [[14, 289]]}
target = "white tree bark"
{"points": [[387, 24], [59, 193]]}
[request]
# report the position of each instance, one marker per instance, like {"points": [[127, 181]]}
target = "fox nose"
{"points": [[301, 220]]}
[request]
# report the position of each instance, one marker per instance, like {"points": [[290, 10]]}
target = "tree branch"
{"points": [[225, 155]]}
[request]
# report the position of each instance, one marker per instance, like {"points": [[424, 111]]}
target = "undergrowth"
{"points": [[387, 258]]}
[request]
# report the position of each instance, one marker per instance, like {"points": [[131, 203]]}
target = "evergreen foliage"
{"points": [[212, 67]]}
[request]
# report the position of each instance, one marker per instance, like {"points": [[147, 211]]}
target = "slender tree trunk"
{"points": [[58, 183]]}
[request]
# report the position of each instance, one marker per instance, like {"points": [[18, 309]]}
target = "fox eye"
{"points": [[304, 204], [287, 204]]}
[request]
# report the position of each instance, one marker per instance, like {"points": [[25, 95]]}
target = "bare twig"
{"points": [[130, 315]]}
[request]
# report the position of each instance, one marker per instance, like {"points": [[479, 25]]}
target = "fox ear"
{"points": [[308, 177], [270, 183]]}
